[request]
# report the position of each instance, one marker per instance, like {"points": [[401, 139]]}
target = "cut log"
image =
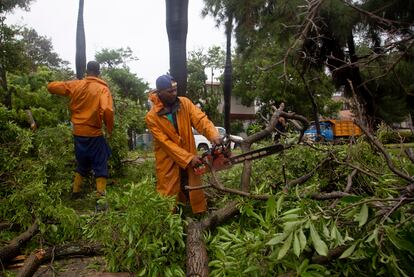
{"points": [[40, 256], [197, 258], [12, 249]]}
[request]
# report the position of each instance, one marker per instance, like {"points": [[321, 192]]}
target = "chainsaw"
{"points": [[219, 157]]}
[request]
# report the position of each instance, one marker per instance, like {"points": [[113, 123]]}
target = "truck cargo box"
{"points": [[345, 128]]}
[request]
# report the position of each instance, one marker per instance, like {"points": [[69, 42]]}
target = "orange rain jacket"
{"points": [[90, 103], [175, 150]]}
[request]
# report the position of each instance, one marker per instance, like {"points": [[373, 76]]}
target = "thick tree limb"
{"points": [[41, 256], [220, 216], [12, 249]]}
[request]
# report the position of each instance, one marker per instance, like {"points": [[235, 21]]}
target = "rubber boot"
{"points": [[100, 186], [77, 185], [101, 205]]}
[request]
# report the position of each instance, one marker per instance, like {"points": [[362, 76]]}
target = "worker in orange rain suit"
{"points": [[90, 103], [170, 120]]}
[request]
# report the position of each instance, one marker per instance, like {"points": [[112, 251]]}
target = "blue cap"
{"points": [[164, 82]]}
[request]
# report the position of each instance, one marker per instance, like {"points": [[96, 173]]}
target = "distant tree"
{"points": [[208, 98], [128, 89], [9, 5], [12, 59], [112, 58], [39, 50], [114, 64]]}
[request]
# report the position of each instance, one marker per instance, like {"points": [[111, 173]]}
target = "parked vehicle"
{"points": [[333, 130], [203, 144]]}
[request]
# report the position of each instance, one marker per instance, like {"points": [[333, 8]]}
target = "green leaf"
{"points": [[292, 211], [362, 217], [279, 203], [285, 247], [130, 237], [399, 242], [320, 245], [278, 238], [351, 199], [374, 235], [296, 245], [251, 269], [270, 208], [54, 228], [302, 239], [290, 217], [349, 251]]}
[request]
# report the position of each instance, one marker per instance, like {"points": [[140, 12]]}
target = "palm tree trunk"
{"points": [[228, 75], [80, 44], [177, 25]]}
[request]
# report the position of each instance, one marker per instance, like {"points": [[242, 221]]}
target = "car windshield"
{"points": [[221, 131], [195, 132]]}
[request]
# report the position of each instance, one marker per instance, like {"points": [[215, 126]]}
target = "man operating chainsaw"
{"points": [[170, 121]]}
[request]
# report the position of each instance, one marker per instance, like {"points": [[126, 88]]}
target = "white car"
{"points": [[203, 144]]}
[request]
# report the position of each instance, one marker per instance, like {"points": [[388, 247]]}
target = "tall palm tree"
{"points": [[228, 70], [177, 26], [80, 44], [223, 11]]}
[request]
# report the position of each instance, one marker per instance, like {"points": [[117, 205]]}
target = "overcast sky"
{"points": [[112, 24]]}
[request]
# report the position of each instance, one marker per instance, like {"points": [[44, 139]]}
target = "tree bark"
{"points": [[41, 256], [12, 249], [177, 26], [197, 258], [80, 44]]}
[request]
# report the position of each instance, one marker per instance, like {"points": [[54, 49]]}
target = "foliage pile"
{"points": [[294, 232]]}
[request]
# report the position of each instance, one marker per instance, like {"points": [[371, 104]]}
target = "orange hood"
{"points": [[153, 97]]}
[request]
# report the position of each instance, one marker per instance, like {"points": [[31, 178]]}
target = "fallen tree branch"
{"points": [[348, 186], [41, 256], [9, 226], [332, 254], [349, 180], [307, 176], [373, 175], [12, 249], [410, 154], [385, 154], [329, 195]]}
